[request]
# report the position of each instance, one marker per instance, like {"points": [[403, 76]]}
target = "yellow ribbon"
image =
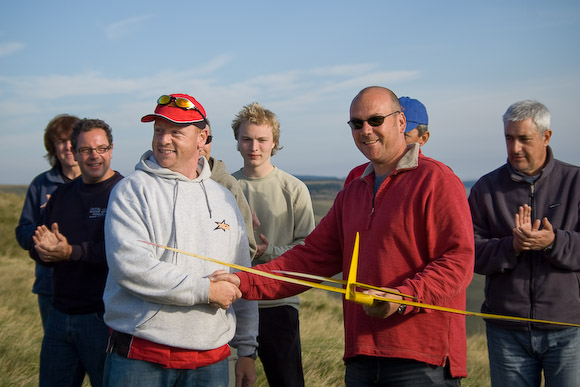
{"points": [[351, 284]]}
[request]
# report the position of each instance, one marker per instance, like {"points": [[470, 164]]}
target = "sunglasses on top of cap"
{"points": [[357, 123], [180, 102]]}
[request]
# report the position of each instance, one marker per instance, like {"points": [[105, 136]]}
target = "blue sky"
{"points": [[305, 60]]}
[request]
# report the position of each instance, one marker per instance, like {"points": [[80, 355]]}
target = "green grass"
{"points": [[11, 206], [20, 328], [320, 318]]}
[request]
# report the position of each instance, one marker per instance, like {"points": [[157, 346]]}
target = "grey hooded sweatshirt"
{"points": [[163, 296]]}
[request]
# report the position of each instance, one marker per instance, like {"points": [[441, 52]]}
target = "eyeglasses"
{"points": [[356, 123], [86, 151], [208, 139], [180, 102]]}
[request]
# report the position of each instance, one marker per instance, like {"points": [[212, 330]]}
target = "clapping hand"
{"points": [[528, 235], [51, 245]]}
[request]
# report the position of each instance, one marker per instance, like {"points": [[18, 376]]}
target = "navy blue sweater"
{"points": [[79, 209]]}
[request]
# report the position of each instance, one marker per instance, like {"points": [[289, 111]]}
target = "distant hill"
{"points": [[313, 177], [318, 185], [14, 189]]}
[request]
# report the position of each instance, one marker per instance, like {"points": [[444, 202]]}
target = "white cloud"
{"points": [[127, 27], [56, 86], [9, 48], [297, 85], [214, 64]]}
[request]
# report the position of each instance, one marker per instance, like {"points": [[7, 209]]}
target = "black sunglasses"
{"points": [[357, 123]]}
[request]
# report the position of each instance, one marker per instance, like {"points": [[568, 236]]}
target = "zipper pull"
{"points": [[370, 218]]}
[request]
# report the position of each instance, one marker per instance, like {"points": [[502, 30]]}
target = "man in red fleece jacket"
{"points": [[415, 237]]}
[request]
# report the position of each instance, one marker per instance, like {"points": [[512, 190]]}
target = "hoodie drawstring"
{"points": [[206, 198], [173, 236]]}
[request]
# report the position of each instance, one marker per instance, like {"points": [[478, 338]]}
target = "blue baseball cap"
{"points": [[415, 112]]}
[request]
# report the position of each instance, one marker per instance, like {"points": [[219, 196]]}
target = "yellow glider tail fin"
{"points": [[351, 293]]}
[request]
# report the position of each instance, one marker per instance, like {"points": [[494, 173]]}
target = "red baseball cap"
{"points": [[179, 115]]}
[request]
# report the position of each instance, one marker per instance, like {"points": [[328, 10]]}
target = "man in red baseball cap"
{"points": [[170, 324]]}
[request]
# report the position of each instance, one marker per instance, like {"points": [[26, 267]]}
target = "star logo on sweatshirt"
{"points": [[222, 226]]}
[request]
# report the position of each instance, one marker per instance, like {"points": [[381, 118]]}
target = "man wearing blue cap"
{"points": [[417, 120], [417, 130]]}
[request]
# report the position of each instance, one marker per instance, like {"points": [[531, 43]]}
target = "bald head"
{"points": [[379, 93], [378, 127]]}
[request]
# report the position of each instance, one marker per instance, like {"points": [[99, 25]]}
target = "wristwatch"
{"points": [[548, 249]]}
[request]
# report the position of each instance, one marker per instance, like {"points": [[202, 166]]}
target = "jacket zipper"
{"points": [[372, 212], [532, 261]]}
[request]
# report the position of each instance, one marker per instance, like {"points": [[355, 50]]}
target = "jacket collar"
{"points": [[410, 160], [547, 168]]}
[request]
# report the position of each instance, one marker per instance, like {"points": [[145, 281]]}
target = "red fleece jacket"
{"points": [[416, 235]]}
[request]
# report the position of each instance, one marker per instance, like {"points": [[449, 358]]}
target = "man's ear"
{"points": [[546, 136], [402, 122], [202, 138], [424, 138]]}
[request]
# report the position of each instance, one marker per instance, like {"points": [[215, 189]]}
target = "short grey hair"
{"points": [[522, 110], [421, 129]]}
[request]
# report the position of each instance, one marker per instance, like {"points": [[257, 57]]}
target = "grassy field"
{"points": [[320, 316]]}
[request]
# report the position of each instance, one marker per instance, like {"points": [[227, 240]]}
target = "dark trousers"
{"points": [[72, 345], [367, 371], [279, 346]]}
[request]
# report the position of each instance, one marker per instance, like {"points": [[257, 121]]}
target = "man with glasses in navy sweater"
{"points": [[71, 240]]}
